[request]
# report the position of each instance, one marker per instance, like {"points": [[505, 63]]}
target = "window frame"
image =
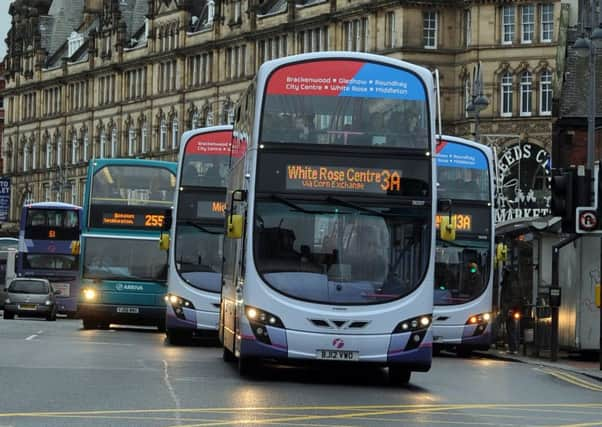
{"points": [[526, 94], [506, 95], [508, 27], [430, 17]]}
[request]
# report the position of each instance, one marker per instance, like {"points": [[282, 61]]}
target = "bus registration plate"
{"points": [[131, 310], [352, 356]]}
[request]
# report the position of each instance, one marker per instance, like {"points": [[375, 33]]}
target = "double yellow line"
{"points": [[580, 382]]}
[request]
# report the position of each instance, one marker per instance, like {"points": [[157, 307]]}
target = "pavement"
{"points": [[566, 362]]}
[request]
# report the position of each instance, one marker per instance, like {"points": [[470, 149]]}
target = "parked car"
{"points": [[30, 297]]}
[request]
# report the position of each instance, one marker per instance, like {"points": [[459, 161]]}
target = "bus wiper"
{"points": [[198, 226], [354, 206]]}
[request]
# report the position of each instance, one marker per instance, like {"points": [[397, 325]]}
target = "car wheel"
{"points": [[9, 316], [161, 327], [228, 356], [399, 375], [89, 323]]}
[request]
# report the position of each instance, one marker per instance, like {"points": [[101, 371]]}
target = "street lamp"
{"points": [[478, 100], [587, 48]]}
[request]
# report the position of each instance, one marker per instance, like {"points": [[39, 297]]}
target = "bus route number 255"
{"points": [[151, 220]]}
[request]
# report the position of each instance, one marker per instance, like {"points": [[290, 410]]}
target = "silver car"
{"points": [[29, 297]]}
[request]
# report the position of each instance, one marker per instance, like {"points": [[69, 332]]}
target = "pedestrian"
{"points": [[511, 310]]}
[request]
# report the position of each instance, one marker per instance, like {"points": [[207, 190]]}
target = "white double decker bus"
{"points": [[197, 231], [329, 254], [462, 315]]}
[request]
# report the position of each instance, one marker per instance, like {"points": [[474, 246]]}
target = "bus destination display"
{"points": [[352, 179], [132, 219], [463, 222]]}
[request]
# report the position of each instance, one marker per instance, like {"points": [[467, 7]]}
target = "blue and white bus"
{"points": [[123, 269], [464, 266], [330, 215], [48, 231], [197, 231]]}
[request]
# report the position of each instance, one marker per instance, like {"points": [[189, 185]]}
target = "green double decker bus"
{"points": [[123, 270]]}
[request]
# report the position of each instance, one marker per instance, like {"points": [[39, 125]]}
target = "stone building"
{"points": [[97, 78]]}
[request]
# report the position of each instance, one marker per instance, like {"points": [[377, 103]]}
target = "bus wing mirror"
{"points": [[239, 195], [164, 241], [234, 226], [447, 228], [167, 219], [75, 247]]}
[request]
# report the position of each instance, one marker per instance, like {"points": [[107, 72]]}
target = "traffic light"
{"points": [[563, 202]]}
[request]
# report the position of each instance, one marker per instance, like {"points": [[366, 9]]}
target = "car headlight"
{"points": [[48, 302], [89, 294]]}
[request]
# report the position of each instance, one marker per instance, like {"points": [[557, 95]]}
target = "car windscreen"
{"points": [[28, 287]]}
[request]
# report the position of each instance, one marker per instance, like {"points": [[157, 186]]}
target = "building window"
{"points": [[131, 141], [507, 24], [143, 137], [28, 110], [356, 35], [114, 142], [103, 143], [48, 155], [199, 69], [390, 30], [235, 60], [74, 147], [526, 90], [75, 41], [86, 145], [162, 135], [429, 31], [168, 76], [34, 156], [271, 49], [26, 149], [74, 195], [174, 133], [506, 95], [46, 191], [106, 89], [196, 119], [310, 40], [545, 93], [528, 23], [467, 96], [59, 152], [547, 22]]}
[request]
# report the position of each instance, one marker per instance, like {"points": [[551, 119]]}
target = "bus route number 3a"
{"points": [[153, 220], [391, 181]]}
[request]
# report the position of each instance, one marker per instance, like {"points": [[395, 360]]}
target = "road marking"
{"points": [[172, 393], [31, 337], [572, 379]]}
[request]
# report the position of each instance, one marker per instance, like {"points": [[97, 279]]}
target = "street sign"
{"points": [[588, 220]]}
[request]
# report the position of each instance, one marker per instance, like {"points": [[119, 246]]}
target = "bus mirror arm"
{"points": [[167, 220]]}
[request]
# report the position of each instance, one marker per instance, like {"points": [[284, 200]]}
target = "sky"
{"points": [[4, 25]]}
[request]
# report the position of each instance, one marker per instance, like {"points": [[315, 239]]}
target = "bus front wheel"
{"points": [[399, 375], [89, 323], [246, 366], [9, 316], [177, 337]]}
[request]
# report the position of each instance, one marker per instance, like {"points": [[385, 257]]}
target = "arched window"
{"points": [[196, 118], [26, 150], [34, 156], [174, 132], [86, 144], [114, 142], [506, 95], [48, 154], [131, 141], [545, 93], [526, 90], [74, 149], [143, 137], [162, 135], [103, 143], [59, 151], [467, 96]]}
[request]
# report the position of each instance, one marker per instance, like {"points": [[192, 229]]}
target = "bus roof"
{"points": [[456, 139], [134, 162], [53, 205], [210, 129]]}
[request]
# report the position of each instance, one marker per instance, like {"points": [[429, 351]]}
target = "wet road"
{"points": [[56, 374]]}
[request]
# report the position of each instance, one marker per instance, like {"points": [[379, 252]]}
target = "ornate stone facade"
{"points": [[97, 78]]}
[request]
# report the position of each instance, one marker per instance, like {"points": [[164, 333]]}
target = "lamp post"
{"points": [[586, 48], [478, 101]]}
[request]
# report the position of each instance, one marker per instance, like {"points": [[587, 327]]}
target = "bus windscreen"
{"points": [[52, 224], [206, 160], [462, 172], [345, 102], [134, 197]]}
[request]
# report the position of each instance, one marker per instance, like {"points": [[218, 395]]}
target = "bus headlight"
{"points": [[481, 321], [89, 294], [417, 326], [48, 302], [478, 319], [259, 319], [7, 301], [178, 304]]}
